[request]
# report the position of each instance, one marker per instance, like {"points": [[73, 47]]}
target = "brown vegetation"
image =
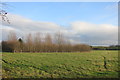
{"points": [[37, 43]]}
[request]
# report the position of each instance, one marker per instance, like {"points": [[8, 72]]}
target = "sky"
{"points": [[93, 23]]}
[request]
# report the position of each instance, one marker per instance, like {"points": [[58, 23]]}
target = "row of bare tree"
{"points": [[37, 43]]}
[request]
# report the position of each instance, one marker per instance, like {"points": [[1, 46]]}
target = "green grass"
{"points": [[60, 65]]}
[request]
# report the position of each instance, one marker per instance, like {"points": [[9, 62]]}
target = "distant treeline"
{"points": [[111, 47], [36, 43], [0, 48]]}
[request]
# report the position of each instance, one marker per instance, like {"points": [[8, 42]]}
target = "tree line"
{"points": [[36, 43], [111, 47]]}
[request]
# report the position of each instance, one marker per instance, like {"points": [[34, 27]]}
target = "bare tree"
{"points": [[48, 39], [48, 43], [12, 36], [68, 46], [3, 13], [59, 40], [29, 43], [12, 39], [37, 42]]}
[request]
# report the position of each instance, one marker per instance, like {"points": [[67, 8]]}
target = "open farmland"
{"points": [[60, 65]]}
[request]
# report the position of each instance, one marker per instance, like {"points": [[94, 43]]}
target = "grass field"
{"points": [[60, 65]]}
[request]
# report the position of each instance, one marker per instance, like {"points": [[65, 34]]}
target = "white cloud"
{"points": [[78, 32], [24, 24], [96, 33]]}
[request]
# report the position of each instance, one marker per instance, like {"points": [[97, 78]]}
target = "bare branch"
{"points": [[3, 13]]}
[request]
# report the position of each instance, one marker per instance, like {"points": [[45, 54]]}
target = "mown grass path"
{"points": [[60, 65]]}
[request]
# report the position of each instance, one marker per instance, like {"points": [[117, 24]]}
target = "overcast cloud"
{"points": [[77, 32]]}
